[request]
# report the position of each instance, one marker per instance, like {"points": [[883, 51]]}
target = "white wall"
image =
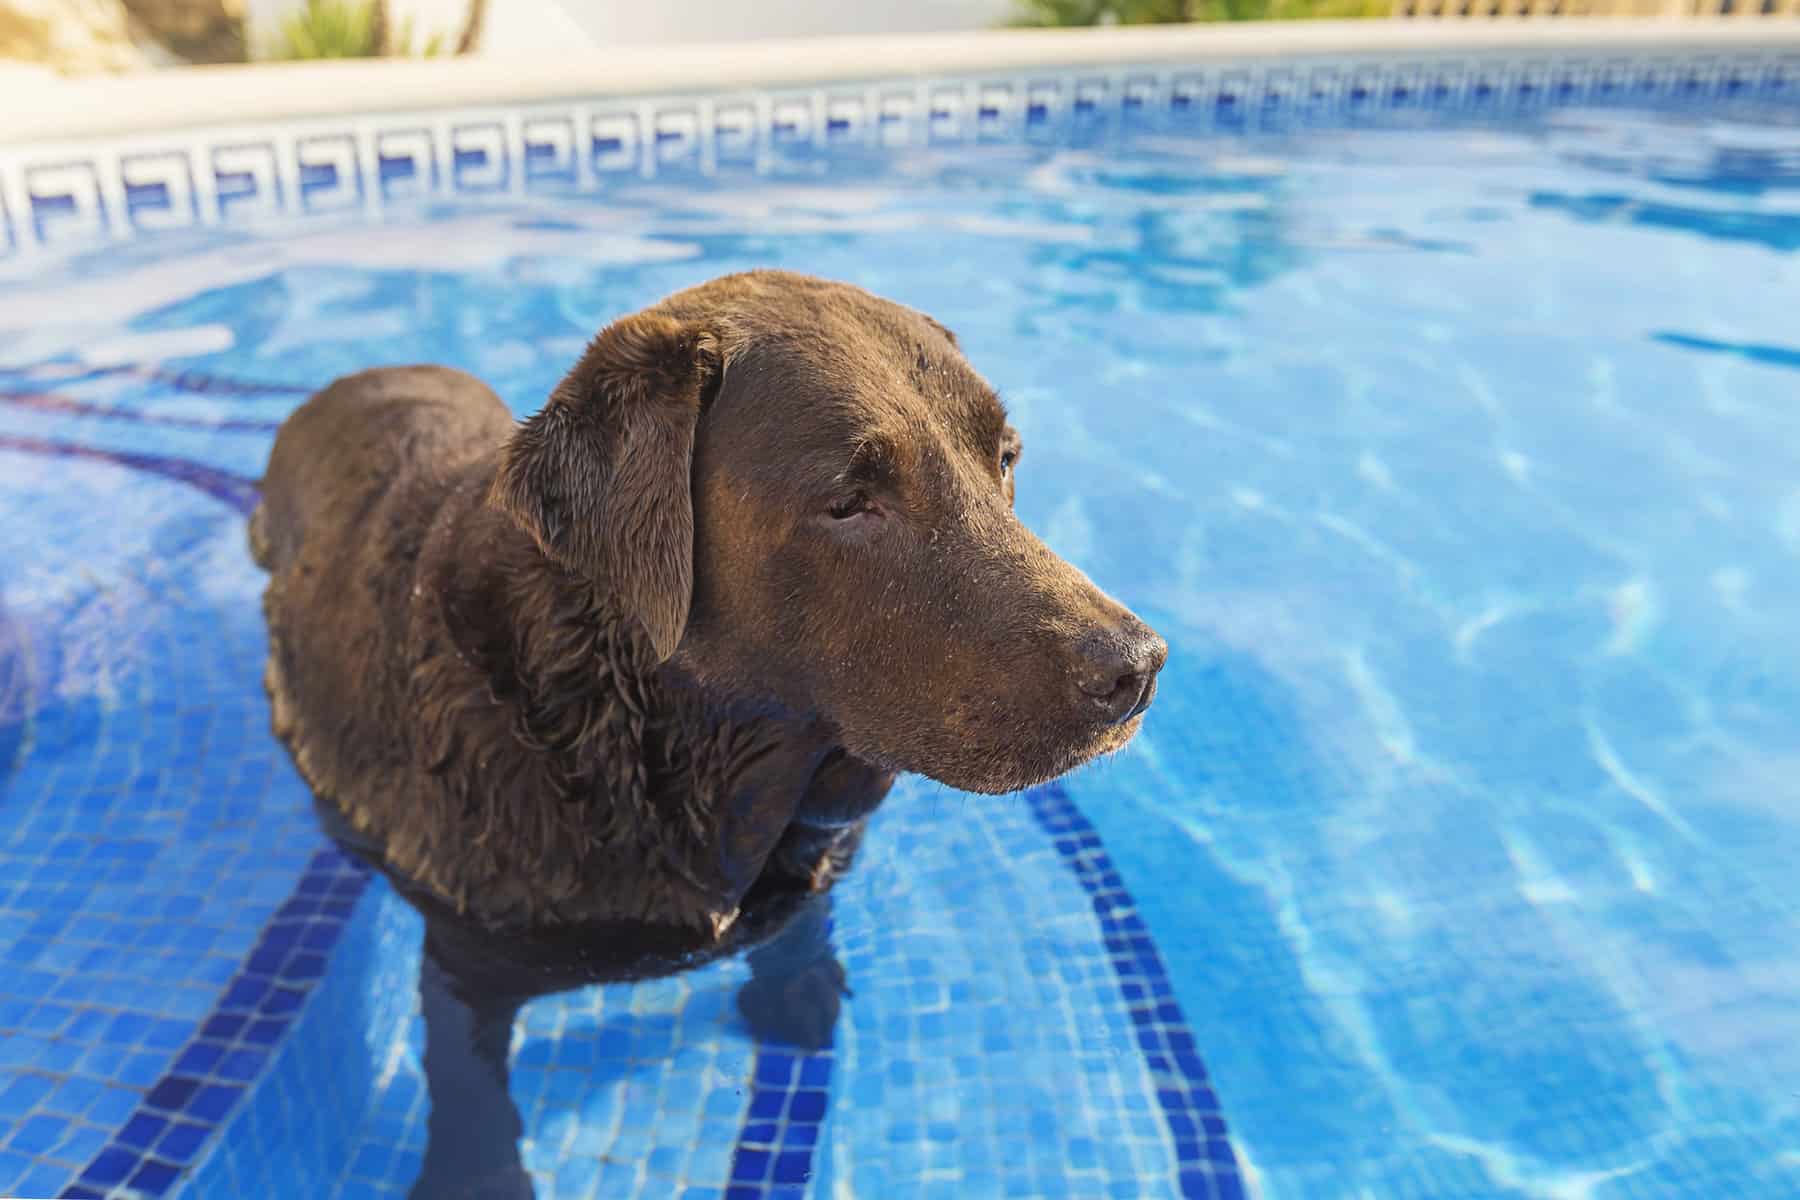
{"points": [[611, 22], [517, 27]]}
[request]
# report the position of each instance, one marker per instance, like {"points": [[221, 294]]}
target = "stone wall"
{"points": [[198, 31], [78, 37], [75, 36]]}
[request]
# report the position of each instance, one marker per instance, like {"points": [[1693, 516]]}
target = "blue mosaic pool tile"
{"points": [[302, 1110], [179, 1109], [181, 1141], [788, 1100], [40, 1181], [936, 1063], [36, 1136], [620, 1087], [101, 996], [1208, 1165]]}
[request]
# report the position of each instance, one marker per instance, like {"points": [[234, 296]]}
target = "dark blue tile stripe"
{"points": [[1207, 1164], [234, 490], [195, 382], [214, 385], [789, 1092], [209, 1075], [50, 402]]}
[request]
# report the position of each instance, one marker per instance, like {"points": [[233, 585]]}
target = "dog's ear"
{"points": [[600, 476]]}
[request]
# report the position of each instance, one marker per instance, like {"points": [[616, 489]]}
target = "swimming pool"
{"points": [[1441, 413]]}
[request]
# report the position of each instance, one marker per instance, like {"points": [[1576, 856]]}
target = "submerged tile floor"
{"points": [[143, 758], [936, 1086]]}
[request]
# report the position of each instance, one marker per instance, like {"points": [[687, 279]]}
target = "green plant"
{"points": [[1168, 12], [402, 40], [349, 29], [332, 29], [1108, 12], [1328, 10]]}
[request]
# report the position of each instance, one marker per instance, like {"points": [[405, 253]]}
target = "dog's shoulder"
{"points": [[362, 437], [385, 414]]}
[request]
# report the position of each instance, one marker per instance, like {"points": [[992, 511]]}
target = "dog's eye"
{"points": [[850, 506], [1006, 462]]}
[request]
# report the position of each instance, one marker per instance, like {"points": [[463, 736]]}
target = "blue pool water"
{"points": [[1460, 468]]}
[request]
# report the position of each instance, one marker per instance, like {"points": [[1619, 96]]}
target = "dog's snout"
{"points": [[1116, 669]]}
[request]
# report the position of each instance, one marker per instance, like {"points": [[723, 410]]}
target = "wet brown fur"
{"points": [[616, 667]]}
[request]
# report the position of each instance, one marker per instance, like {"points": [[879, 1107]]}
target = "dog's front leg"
{"points": [[796, 984], [472, 1140]]}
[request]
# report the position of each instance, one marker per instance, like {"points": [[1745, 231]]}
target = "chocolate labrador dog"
{"points": [[612, 692]]}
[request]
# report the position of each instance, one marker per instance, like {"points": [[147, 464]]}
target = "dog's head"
{"points": [[804, 493]]}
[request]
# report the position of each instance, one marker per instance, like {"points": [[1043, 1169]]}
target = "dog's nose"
{"points": [[1116, 669]]}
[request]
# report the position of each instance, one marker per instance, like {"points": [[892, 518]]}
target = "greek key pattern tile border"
{"points": [[54, 195]]}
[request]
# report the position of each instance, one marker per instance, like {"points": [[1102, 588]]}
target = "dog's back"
{"points": [[355, 478], [340, 453]]}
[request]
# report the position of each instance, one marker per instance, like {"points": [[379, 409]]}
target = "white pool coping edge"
{"points": [[38, 108]]}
